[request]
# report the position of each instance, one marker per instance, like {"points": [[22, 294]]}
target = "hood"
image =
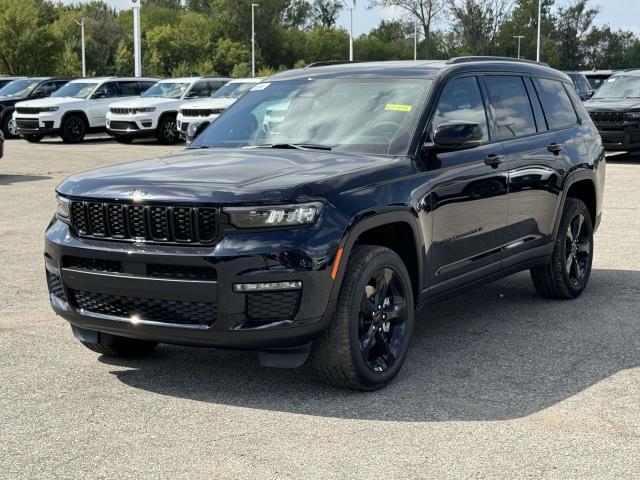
{"points": [[10, 100], [51, 102], [206, 103], [611, 104], [218, 176], [142, 102]]}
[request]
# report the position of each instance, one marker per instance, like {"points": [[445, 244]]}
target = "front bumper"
{"points": [[620, 138], [183, 121], [42, 124], [139, 125], [94, 298]]}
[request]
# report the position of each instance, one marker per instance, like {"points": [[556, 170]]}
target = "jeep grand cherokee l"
{"points": [[615, 110], [385, 187]]}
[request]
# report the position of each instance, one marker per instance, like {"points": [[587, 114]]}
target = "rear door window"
{"points": [[511, 106], [556, 104], [129, 88]]}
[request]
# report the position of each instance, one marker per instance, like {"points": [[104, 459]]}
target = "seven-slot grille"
{"points": [[123, 111], [613, 119], [29, 110], [200, 112], [157, 223]]}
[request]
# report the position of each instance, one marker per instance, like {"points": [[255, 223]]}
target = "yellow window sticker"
{"points": [[396, 107]]}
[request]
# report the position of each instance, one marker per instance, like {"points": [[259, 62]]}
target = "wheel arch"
{"points": [[581, 185], [397, 230], [79, 113]]}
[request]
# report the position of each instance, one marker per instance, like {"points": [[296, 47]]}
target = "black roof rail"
{"points": [[456, 60], [327, 62]]}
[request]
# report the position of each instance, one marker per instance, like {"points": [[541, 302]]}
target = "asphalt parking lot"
{"points": [[499, 383]]}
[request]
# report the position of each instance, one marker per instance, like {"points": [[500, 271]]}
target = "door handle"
{"points": [[494, 160], [555, 147]]}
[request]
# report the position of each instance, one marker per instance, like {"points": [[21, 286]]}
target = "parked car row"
{"points": [[126, 108]]}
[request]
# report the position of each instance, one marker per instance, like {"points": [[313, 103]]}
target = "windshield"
{"points": [[75, 90], [233, 90], [619, 87], [354, 115], [167, 90], [19, 88]]}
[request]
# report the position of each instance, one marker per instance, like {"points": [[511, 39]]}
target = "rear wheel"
{"points": [[168, 131], [115, 346], [74, 129], [33, 138], [567, 274], [9, 127], [368, 338]]}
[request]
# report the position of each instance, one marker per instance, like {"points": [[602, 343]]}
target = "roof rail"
{"points": [[328, 62], [470, 59]]}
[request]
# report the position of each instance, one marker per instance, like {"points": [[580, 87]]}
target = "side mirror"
{"points": [[590, 93], [458, 135], [98, 95], [194, 130]]}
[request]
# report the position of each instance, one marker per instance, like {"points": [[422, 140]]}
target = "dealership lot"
{"points": [[499, 382]]}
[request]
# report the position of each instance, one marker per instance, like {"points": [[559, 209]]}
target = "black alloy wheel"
{"points": [[382, 319], [577, 249], [168, 131], [74, 129]]}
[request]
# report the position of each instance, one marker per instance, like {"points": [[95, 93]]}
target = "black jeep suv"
{"points": [[615, 110], [24, 89], [378, 188]]}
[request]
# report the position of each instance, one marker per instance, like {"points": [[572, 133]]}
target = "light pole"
{"points": [[415, 40], [136, 39], [519, 37], [351, 9], [84, 59], [538, 42], [253, 39]]}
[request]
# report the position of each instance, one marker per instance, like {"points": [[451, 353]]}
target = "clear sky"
{"points": [[617, 13]]}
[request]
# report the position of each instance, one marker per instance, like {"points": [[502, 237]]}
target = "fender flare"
{"points": [[367, 221], [75, 112], [576, 176]]}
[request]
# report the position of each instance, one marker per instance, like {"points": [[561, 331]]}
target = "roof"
{"points": [[104, 79], [418, 69], [247, 80]]}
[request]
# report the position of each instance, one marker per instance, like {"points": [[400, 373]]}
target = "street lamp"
{"points": [[84, 59], [253, 39], [351, 9], [538, 42], [519, 37], [137, 54], [415, 40]]}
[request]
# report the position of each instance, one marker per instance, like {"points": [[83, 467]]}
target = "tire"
{"points": [[122, 139], [360, 350], [9, 127], [567, 274], [168, 131], [33, 138], [115, 346], [74, 128]]}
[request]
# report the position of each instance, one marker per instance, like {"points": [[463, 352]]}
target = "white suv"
{"points": [[207, 110], [154, 114], [78, 108]]}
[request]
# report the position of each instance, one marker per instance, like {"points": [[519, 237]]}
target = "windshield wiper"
{"points": [[299, 146]]}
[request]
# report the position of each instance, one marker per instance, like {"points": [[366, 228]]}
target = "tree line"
{"points": [[208, 37]]}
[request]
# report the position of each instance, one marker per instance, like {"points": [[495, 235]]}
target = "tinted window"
{"points": [[199, 90], [214, 85], [461, 101], [45, 89], [541, 123], [129, 89], [556, 104], [106, 90], [510, 103]]}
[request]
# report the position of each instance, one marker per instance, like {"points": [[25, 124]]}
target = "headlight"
{"points": [[633, 115], [275, 216], [146, 110], [62, 210], [49, 109]]}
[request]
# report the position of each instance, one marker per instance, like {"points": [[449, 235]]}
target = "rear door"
{"points": [[536, 158], [468, 200], [99, 103]]}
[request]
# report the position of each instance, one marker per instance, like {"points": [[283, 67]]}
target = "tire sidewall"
{"points": [[367, 376]]}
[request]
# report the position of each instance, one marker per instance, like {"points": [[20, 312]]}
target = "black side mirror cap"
{"points": [[194, 130], [458, 135]]}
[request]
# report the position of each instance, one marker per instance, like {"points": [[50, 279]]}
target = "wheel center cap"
{"points": [[574, 248]]}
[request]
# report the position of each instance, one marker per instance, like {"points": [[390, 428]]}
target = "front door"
{"points": [[468, 200]]}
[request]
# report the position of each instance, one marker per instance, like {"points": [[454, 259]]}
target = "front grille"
{"points": [[122, 111], [200, 112], [607, 119], [117, 125], [182, 272], [272, 305], [54, 282], [27, 123], [157, 223], [93, 264], [28, 110], [164, 311]]}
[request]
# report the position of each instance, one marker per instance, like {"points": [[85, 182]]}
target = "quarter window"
{"points": [[511, 107], [461, 101], [556, 104]]}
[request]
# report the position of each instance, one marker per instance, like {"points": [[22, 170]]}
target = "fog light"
{"points": [[267, 286]]}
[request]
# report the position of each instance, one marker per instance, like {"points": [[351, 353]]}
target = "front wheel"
{"points": [[74, 129], [168, 131], [567, 274], [9, 127], [368, 338]]}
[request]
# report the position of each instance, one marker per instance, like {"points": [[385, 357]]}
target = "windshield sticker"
{"points": [[260, 86], [396, 107]]}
